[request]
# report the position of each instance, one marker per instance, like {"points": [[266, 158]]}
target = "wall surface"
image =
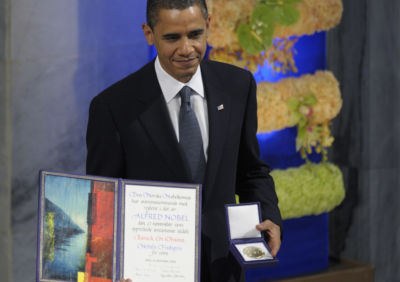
{"points": [[5, 148], [63, 53], [364, 53]]}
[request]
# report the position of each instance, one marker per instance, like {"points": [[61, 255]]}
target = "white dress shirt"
{"points": [[170, 88]]}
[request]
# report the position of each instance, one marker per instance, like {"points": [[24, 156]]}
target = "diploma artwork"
{"points": [[103, 229]]}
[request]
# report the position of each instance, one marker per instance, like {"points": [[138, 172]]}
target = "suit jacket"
{"points": [[130, 135]]}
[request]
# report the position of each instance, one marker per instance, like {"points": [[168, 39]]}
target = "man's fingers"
{"points": [[268, 225], [274, 244], [274, 233]]}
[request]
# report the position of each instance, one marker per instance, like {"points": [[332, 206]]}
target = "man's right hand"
{"points": [[125, 280]]}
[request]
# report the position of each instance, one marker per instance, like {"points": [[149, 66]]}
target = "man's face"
{"points": [[180, 37]]}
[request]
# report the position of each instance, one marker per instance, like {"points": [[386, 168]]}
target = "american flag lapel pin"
{"points": [[220, 107]]}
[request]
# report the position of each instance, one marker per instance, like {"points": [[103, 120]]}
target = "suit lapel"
{"points": [[218, 103], [157, 123]]}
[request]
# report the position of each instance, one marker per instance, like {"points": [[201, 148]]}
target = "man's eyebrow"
{"points": [[171, 35], [196, 31], [177, 35]]}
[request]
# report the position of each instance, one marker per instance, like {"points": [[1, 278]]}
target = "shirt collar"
{"points": [[170, 86]]}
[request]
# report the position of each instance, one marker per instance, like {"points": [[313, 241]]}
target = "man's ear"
{"points": [[208, 26], [148, 33]]}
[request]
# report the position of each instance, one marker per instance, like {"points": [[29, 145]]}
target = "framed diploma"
{"points": [[160, 230], [102, 229]]}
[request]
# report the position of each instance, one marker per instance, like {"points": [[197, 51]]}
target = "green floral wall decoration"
{"points": [[310, 189], [309, 135], [257, 35]]}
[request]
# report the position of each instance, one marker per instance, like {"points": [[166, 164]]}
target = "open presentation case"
{"points": [[247, 243]]}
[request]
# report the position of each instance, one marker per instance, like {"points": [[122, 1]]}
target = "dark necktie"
{"points": [[190, 137]]}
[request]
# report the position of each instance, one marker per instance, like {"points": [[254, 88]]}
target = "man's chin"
{"points": [[187, 73], [185, 77]]}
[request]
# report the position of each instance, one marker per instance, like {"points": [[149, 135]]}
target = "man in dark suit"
{"points": [[134, 128]]}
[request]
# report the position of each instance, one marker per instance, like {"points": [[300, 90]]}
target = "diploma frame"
{"points": [[166, 186], [71, 196]]}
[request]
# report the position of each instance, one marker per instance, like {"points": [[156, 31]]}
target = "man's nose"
{"points": [[186, 47]]}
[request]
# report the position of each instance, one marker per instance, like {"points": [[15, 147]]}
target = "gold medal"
{"points": [[254, 252]]}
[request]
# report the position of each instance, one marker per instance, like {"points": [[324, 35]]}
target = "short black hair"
{"points": [[154, 7]]}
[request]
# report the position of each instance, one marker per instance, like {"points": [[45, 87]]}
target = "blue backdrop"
{"points": [[305, 245]]}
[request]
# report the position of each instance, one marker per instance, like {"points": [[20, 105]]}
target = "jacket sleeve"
{"points": [[254, 182], [104, 150]]}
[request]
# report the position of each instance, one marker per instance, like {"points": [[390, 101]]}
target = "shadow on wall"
{"points": [[111, 46], [77, 60]]}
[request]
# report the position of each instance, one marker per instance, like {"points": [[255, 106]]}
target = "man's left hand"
{"points": [[274, 233]]}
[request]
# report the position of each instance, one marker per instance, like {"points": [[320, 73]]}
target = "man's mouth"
{"points": [[186, 62]]}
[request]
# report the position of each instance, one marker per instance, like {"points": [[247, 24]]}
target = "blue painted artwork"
{"points": [[65, 227]]}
